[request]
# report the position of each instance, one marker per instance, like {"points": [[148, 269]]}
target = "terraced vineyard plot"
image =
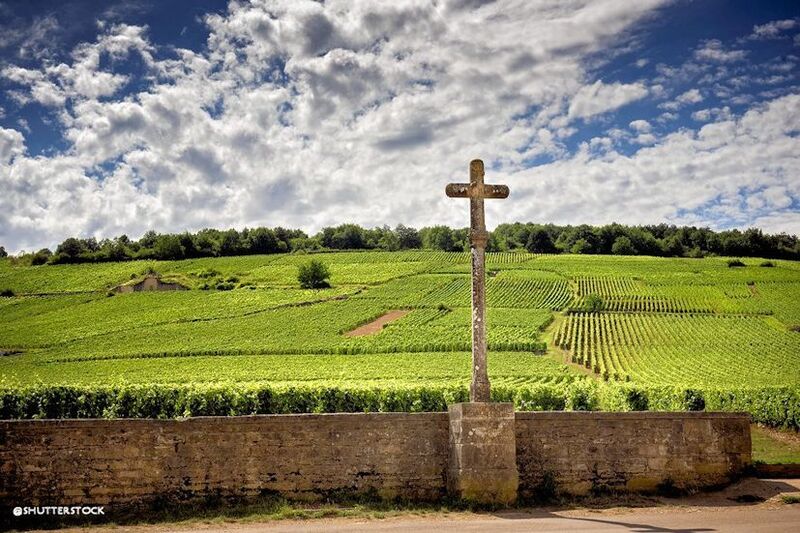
{"points": [[48, 279], [406, 292], [43, 322], [691, 350], [536, 319], [783, 299], [369, 370], [531, 292], [457, 293]]}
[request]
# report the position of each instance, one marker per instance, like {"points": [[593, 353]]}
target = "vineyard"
{"points": [[564, 332]]}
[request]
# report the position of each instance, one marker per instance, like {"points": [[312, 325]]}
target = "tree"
{"points": [[262, 241], [3, 252], [71, 250], [623, 246], [581, 246], [168, 247], [408, 238], [539, 242], [230, 244], [313, 275], [439, 238], [41, 257], [672, 246]]}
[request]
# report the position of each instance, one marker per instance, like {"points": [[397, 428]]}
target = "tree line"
{"points": [[655, 240]]}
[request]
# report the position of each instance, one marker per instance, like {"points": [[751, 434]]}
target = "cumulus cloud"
{"points": [[712, 113], [690, 97], [12, 144], [712, 50], [600, 98], [702, 177], [34, 40], [773, 29], [304, 114]]}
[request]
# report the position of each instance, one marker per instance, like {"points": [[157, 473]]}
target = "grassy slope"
{"points": [[775, 446]]}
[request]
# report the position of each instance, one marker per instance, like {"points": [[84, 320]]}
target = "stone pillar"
{"points": [[483, 453]]}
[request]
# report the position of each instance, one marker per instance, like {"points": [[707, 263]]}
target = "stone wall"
{"points": [[581, 452], [389, 455], [301, 456]]}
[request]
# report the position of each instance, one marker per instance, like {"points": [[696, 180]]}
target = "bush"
{"points": [[693, 400], [778, 407], [7, 293], [593, 304], [313, 275], [732, 263], [767, 264], [41, 257], [225, 286]]}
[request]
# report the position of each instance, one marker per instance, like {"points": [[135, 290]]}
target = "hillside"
{"points": [[673, 333]]}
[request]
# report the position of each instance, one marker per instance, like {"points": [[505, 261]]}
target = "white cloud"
{"points": [[12, 144], [600, 98], [773, 29], [715, 113], [712, 50], [34, 40], [692, 96], [641, 126], [306, 114], [371, 98], [710, 175]]}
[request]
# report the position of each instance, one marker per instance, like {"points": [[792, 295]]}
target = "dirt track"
{"points": [[376, 325]]}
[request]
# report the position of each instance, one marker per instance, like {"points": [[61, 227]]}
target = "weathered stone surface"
{"points": [[476, 190], [581, 452], [475, 450], [482, 465], [302, 456]]}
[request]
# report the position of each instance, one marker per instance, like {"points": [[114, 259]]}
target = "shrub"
{"points": [[41, 257], [7, 293], [593, 303], [732, 263], [313, 275], [225, 286], [767, 264], [693, 400]]}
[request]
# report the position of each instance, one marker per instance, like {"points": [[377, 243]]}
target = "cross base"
{"points": [[483, 453]]}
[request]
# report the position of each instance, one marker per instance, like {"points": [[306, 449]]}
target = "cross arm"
{"points": [[466, 190]]}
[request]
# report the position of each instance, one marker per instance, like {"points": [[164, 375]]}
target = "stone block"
{"points": [[483, 462]]}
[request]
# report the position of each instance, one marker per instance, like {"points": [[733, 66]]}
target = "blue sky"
{"points": [[119, 117]]}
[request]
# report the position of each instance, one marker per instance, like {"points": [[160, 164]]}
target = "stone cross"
{"points": [[476, 191]]}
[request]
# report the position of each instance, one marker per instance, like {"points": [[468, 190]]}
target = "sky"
{"points": [[120, 117]]}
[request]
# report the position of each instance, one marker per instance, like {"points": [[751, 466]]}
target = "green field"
{"points": [[673, 334]]}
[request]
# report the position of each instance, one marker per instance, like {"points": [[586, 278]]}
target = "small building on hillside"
{"points": [[151, 282]]}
